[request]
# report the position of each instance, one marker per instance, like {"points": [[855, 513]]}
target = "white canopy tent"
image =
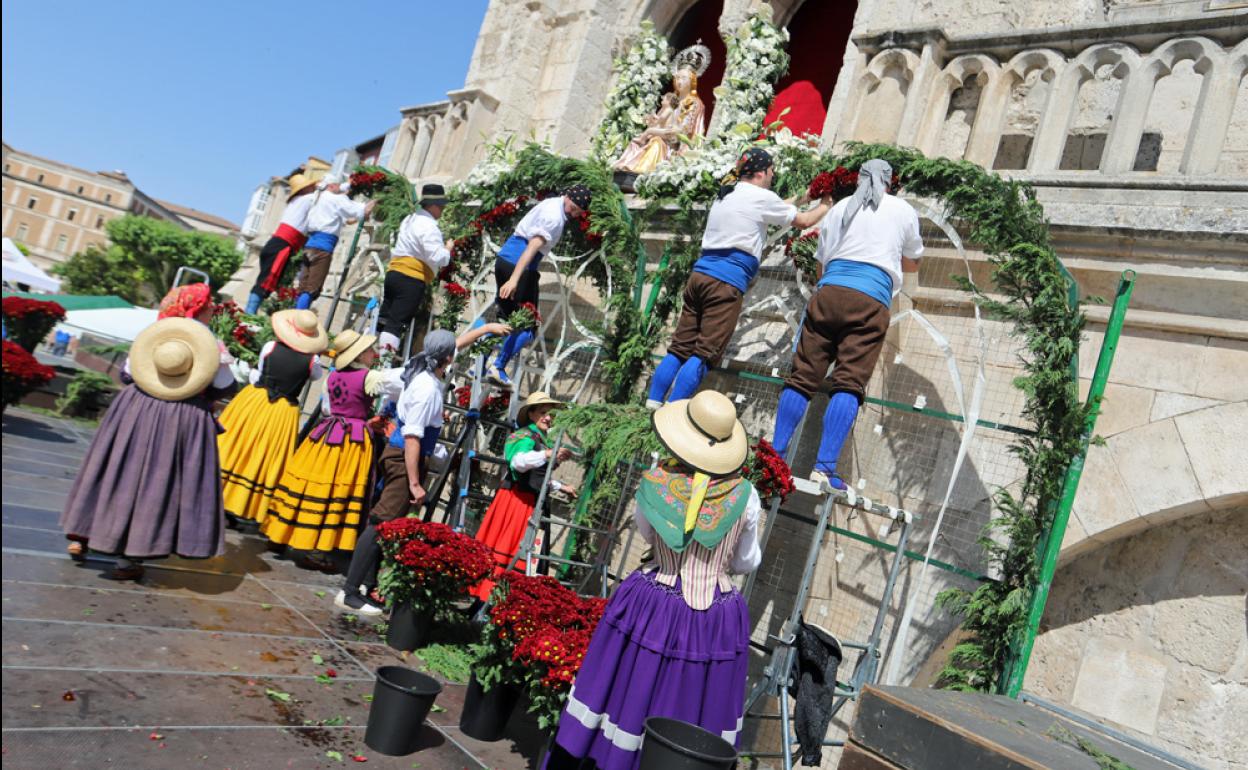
{"points": [[122, 324], [20, 270]]}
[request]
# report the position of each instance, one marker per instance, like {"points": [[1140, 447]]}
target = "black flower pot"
{"points": [[409, 629], [401, 701], [486, 712], [671, 744]]}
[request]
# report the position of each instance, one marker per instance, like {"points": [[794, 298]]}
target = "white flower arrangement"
{"points": [[641, 75], [756, 61]]}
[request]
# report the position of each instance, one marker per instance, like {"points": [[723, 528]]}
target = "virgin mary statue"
{"points": [[681, 113]]}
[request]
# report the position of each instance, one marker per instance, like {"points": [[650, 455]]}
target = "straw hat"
{"points": [[298, 183], [536, 398], [174, 359], [300, 330], [704, 433], [348, 346]]}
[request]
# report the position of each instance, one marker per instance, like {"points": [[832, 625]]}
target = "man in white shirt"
{"points": [[515, 268], [732, 246], [419, 392], [285, 242], [870, 246], [420, 252], [331, 208]]}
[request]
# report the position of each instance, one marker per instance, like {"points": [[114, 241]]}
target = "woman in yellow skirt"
{"points": [[322, 494], [262, 422]]}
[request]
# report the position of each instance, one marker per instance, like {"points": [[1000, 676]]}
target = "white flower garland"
{"points": [[756, 61], [641, 74]]}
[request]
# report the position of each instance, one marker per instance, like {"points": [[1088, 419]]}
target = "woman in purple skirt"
{"points": [[149, 485], [674, 639]]}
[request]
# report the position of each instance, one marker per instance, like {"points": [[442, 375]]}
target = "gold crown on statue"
{"points": [[696, 57]]}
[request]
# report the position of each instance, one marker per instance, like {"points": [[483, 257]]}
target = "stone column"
{"points": [[1124, 136], [1051, 133], [403, 144], [919, 95], [994, 101], [1212, 119], [420, 148]]}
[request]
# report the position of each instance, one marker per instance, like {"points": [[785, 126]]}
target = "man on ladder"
{"points": [[330, 210], [285, 242], [870, 247], [419, 253]]}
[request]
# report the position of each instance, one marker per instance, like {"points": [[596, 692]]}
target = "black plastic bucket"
{"points": [[408, 629], [675, 745], [486, 711], [401, 701]]}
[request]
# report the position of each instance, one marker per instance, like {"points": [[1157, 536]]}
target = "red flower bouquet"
{"points": [[768, 472], [366, 182], [494, 406], [244, 335], [839, 183], [22, 373], [28, 321], [428, 565], [536, 639], [801, 249], [527, 317]]}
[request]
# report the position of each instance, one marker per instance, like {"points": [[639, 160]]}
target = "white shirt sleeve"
{"points": [[314, 369], [775, 211], [546, 221], [747, 555], [527, 461], [643, 527], [351, 209], [389, 383], [912, 245], [224, 377], [829, 235], [435, 248], [264, 353], [374, 381]]}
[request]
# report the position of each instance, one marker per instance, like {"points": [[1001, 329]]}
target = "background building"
{"points": [[57, 210]]}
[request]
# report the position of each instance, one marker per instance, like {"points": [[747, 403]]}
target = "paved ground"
{"points": [[176, 670]]}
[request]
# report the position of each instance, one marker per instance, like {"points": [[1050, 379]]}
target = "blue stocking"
{"points": [[688, 379], [789, 414], [664, 374], [837, 422], [304, 302], [512, 346], [253, 303]]}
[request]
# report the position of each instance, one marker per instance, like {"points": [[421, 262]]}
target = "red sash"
{"points": [[295, 239]]}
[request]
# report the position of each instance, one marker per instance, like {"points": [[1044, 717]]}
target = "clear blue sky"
{"points": [[200, 102]]}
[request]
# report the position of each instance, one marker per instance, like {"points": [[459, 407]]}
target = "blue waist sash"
{"points": [[735, 267], [872, 280], [513, 248], [322, 241]]}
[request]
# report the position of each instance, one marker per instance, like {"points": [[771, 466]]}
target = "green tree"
{"points": [[143, 257]]}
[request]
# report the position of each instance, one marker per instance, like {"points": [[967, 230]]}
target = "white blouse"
{"points": [[545, 220]]}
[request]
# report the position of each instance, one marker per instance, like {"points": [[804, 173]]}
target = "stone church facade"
{"points": [[1131, 120]]}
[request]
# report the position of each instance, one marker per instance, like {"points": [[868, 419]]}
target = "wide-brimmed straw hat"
{"points": [[704, 433], [348, 346], [300, 330], [174, 359], [298, 183], [536, 398]]}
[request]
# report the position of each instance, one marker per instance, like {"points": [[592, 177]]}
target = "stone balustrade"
{"points": [[442, 140], [1159, 97]]}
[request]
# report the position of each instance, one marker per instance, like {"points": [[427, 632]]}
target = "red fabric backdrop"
{"points": [[819, 33]]}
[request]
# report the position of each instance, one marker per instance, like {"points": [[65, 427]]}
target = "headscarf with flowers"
{"points": [[185, 301]]}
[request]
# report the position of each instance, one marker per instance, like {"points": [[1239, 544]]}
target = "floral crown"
{"points": [[696, 57]]}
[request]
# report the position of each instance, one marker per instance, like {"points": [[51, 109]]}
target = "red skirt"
{"points": [[502, 529]]}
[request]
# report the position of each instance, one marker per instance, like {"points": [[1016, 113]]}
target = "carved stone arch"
{"points": [[1063, 107], [1215, 113], [954, 75], [1002, 149], [1157, 144], [875, 121]]}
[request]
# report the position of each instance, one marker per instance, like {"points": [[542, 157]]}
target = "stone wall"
{"points": [[1148, 633]]}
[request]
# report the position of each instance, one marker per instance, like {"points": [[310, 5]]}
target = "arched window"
{"points": [[818, 35], [1097, 102], [1030, 75]]}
